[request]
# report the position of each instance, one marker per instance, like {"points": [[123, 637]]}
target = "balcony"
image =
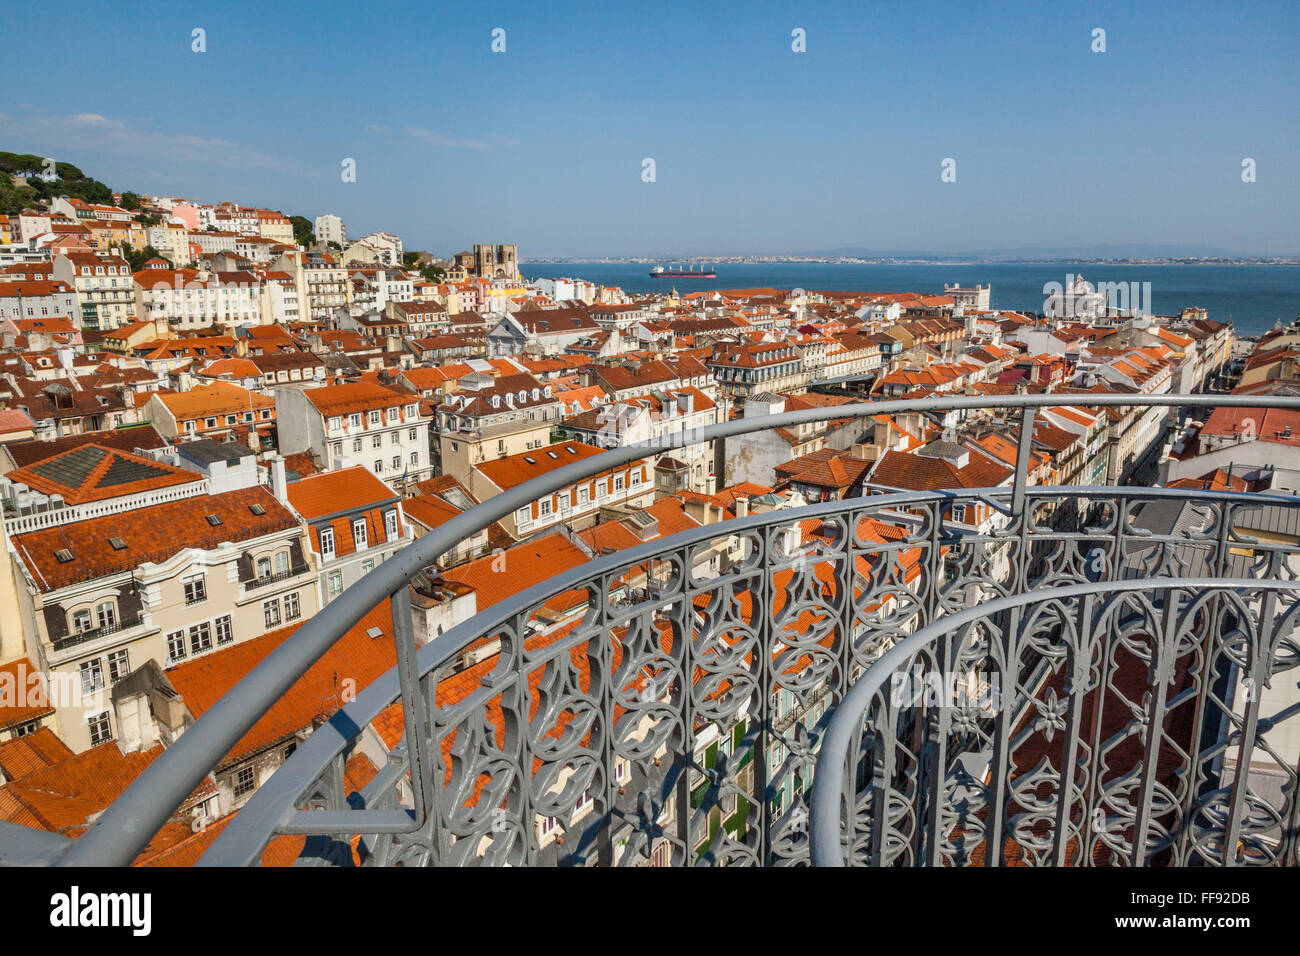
{"points": [[95, 633], [1100, 677], [278, 576]]}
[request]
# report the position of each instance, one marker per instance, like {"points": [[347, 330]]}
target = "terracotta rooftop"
{"points": [[94, 473], [22, 756], [364, 653], [354, 397], [332, 492], [85, 550], [497, 577], [514, 470], [25, 698], [921, 473], [216, 398]]}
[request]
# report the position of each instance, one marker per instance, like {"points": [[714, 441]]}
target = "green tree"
{"points": [[302, 230], [136, 258], [21, 164]]}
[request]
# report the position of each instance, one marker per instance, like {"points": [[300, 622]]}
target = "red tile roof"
{"points": [[333, 492], [22, 693], [94, 472], [354, 397], [186, 523], [514, 470], [497, 577], [23, 756], [345, 669]]}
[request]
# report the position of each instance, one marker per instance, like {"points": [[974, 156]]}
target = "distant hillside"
{"points": [[15, 196], [1117, 250]]}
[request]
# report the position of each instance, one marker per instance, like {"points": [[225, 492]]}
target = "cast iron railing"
{"points": [[666, 704], [1130, 723]]}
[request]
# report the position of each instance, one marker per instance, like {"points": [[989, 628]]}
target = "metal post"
{"points": [[1023, 447]]}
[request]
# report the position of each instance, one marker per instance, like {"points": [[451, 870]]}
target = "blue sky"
{"points": [[757, 149]]}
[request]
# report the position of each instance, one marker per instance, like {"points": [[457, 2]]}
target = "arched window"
{"points": [[263, 567], [107, 614], [82, 621]]}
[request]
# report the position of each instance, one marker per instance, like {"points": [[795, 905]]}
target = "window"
{"points": [[271, 613], [327, 542], [82, 621], [359, 532], [118, 665], [356, 444], [618, 483], [335, 423], [92, 676], [201, 638], [225, 633], [584, 496], [282, 562], [397, 463], [292, 608], [544, 509], [196, 589], [379, 466], [410, 435], [959, 513], [101, 729], [374, 416], [244, 781], [176, 646], [334, 584], [394, 438], [376, 441], [263, 568], [355, 419]]}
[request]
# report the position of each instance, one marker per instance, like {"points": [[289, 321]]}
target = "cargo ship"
{"points": [[659, 272]]}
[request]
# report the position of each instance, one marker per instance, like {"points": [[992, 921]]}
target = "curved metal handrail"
{"points": [[827, 834], [271, 809], [127, 825]]}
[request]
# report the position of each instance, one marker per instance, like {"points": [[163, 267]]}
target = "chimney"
{"points": [[279, 481], [742, 507]]}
